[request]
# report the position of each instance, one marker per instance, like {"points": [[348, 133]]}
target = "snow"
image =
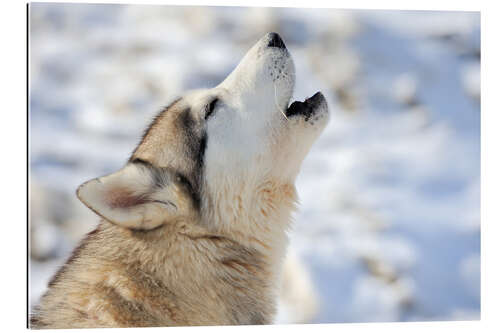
{"points": [[389, 225]]}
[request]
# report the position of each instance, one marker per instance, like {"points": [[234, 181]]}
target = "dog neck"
{"points": [[257, 215]]}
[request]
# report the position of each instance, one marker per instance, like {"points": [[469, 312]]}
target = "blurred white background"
{"points": [[388, 227]]}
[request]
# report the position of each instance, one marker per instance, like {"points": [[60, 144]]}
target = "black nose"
{"points": [[275, 41]]}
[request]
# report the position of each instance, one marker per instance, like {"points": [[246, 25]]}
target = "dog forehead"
{"points": [[197, 98], [164, 133]]}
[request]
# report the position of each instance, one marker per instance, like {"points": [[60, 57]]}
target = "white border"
{"points": [[13, 196]]}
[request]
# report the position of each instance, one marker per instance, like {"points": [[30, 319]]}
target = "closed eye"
{"points": [[209, 109]]}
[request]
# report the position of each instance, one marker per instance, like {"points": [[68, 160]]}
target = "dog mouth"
{"points": [[307, 108]]}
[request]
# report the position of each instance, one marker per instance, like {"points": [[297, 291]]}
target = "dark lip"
{"points": [[306, 108]]}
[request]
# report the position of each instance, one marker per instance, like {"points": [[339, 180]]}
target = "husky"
{"points": [[194, 226]]}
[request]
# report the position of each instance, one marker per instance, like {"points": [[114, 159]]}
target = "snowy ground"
{"points": [[389, 223]]}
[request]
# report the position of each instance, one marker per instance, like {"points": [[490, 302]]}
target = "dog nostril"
{"points": [[275, 41]]}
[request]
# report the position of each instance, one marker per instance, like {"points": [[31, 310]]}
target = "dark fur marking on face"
{"points": [[201, 150], [192, 188], [199, 160], [196, 142], [187, 120]]}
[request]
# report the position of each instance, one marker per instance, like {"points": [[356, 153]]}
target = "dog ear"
{"points": [[139, 196]]}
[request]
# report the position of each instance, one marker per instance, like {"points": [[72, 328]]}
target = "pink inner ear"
{"points": [[123, 198]]}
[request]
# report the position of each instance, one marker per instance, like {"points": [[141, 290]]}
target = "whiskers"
{"points": [[276, 102]]}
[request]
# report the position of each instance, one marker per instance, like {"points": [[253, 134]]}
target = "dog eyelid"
{"points": [[209, 108]]}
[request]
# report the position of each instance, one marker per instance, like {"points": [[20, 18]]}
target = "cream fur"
{"points": [[194, 227]]}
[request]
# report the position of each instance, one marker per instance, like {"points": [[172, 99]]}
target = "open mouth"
{"points": [[307, 108]]}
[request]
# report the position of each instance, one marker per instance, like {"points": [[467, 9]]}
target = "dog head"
{"points": [[213, 140]]}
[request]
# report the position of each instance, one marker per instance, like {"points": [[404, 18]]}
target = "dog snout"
{"points": [[275, 41]]}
